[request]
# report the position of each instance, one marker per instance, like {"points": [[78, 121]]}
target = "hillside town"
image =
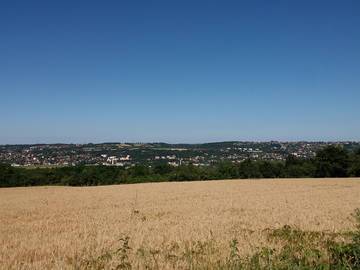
{"points": [[130, 154]]}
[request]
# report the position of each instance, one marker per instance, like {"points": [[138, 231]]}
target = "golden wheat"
{"points": [[70, 227]]}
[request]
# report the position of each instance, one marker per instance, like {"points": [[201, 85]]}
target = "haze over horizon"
{"points": [[179, 71], [179, 143]]}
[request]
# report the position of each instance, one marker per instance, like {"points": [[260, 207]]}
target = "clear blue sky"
{"points": [[179, 71]]}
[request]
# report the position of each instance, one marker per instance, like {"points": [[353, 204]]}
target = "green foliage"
{"points": [[300, 250], [249, 169], [162, 168], [299, 167], [332, 161], [105, 259], [270, 169], [347, 256], [228, 170], [354, 168]]}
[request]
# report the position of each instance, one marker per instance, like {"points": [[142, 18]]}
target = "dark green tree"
{"points": [[298, 167], [162, 168], [228, 170], [270, 169], [332, 161], [354, 168], [249, 169]]}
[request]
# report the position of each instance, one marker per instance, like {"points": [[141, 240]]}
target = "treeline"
{"points": [[331, 161]]}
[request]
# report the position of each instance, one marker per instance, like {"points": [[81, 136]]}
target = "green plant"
{"points": [[122, 254], [347, 256]]}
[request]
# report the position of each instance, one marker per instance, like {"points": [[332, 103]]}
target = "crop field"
{"points": [[180, 225]]}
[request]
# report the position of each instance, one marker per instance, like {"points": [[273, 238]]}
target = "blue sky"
{"points": [[179, 71]]}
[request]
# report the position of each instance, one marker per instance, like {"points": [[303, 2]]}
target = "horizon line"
{"points": [[209, 142]]}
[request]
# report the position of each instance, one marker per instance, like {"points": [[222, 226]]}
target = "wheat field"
{"points": [[163, 225]]}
